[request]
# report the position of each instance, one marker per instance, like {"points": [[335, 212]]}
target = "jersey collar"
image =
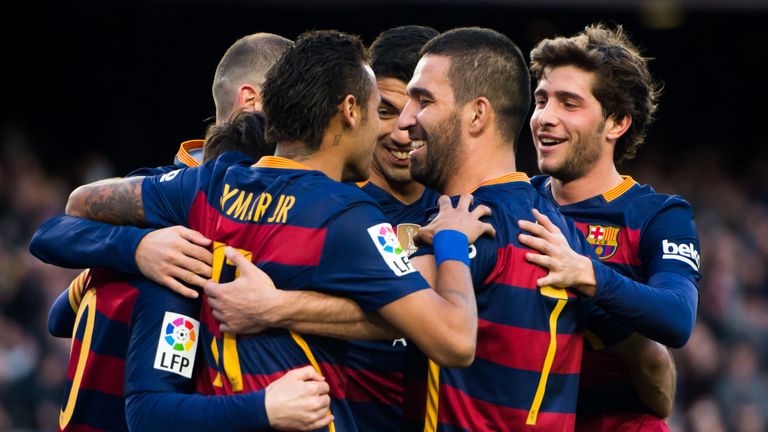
{"points": [[188, 150], [619, 189], [280, 162], [506, 178]]}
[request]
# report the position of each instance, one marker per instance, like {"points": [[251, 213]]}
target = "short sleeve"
{"points": [[164, 334], [362, 259]]}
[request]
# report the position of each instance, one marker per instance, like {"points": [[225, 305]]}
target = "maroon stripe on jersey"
{"points": [[107, 378], [458, 409], [375, 386], [115, 299], [336, 377], [512, 269], [628, 250], [102, 373], [495, 342], [276, 243]]}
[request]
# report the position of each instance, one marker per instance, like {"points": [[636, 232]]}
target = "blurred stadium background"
{"points": [[95, 89]]}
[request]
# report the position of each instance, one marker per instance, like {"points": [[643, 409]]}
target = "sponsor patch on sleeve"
{"points": [[177, 345], [386, 242]]}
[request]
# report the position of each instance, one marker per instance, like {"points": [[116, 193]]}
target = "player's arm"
{"points": [[652, 371], [663, 309], [160, 255], [251, 303], [442, 321], [63, 312], [159, 387], [116, 201]]}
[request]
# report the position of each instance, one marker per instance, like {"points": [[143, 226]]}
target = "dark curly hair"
{"points": [[623, 85]]}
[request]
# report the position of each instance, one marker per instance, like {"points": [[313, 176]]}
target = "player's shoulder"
{"points": [[645, 199]]}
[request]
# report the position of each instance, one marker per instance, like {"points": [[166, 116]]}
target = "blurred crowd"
{"points": [[722, 371]]}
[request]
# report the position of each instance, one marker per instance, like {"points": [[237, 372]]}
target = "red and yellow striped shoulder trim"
{"points": [[77, 287], [362, 183], [185, 148], [620, 189], [280, 162], [507, 178]]}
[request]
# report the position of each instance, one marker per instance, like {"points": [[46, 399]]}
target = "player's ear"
{"points": [[615, 129], [350, 111], [479, 113], [249, 98]]}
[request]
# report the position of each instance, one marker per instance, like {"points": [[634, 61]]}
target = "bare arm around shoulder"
{"points": [[652, 371], [251, 303], [442, 321], [116, 201]]}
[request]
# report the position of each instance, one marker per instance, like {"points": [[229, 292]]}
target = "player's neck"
{"points": [[405, 192], [484, 163], [595, 182], [324, 161]]}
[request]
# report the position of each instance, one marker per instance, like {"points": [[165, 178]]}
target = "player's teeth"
{"points": [[417, 144], [400, 155], [550, 141]]}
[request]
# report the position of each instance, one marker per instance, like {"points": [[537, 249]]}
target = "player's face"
{"points": [[358, 167], [432, 120], [567, 125], [392, 159]]}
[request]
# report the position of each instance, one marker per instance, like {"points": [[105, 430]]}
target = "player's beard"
{"points": [[433, 167], [580, 158]]}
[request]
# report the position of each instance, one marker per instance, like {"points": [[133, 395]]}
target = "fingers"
{"points": [[489, 230], [545, 222], [481, 211], [535, 229], [444, 202], [179, 288], [532, 242], [538, 259], [306, 373], [199, 254], [324, 421], [194, 237], [241, 262], [212, 289], [465, 200]]}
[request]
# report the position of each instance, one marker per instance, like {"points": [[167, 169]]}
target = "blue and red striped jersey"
{"points": [[96, 310], [645, 236], [94, 394], [375, 368], [529, 343], [305, 231]]}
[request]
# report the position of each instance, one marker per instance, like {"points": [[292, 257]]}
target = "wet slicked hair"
{"points": [[623, 85], [245, 62], [486, 63], [395, 52], [303, 90]]}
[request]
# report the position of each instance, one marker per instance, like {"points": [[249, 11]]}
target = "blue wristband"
{"points": [[451, 245]]}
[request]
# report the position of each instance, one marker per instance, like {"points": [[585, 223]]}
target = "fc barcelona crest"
{"points": [[405, 233], [604, 239]]}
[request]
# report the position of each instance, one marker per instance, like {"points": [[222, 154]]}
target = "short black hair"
{"points": [[395, 52], [244, 133], [487, 63], [303, 89]]}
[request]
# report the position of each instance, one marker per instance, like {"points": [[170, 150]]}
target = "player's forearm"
{"points": [[116, 201], [664, 309], [75, 242], [652, 371], [373, 328], [303, 308], [459, 314], [150, 411]]}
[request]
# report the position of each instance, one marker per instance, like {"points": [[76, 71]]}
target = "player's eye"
{"points": [[386, 113]]}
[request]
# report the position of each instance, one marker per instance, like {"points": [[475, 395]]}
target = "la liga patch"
{"points": [[177, 345]]}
